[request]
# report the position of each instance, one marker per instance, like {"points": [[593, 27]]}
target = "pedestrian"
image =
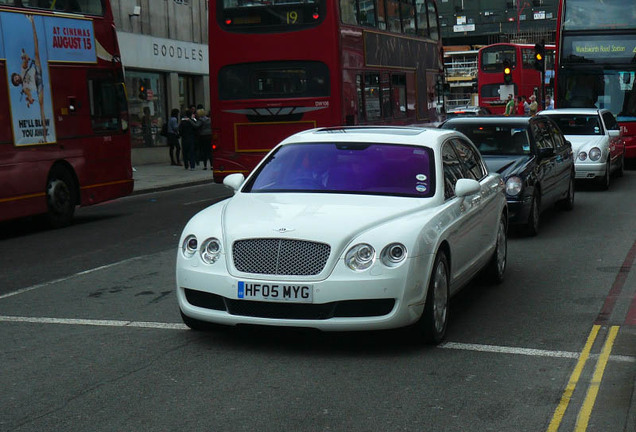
{"points": [[520, 105], [173, 137], [146, 127], [526, 107], [510, 105], [534, 107], [188, 133], [204, 137]]}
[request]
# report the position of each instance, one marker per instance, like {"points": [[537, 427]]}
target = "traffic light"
{"points": [[539, 57], [143, 91], [507, 71]]}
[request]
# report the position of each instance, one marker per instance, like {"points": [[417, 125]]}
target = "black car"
{"points": [[533, 157]]}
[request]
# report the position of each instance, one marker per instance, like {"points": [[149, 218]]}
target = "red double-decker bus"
{"points": [[281, 66], [64, 138], [526, 79], [596, 61]]}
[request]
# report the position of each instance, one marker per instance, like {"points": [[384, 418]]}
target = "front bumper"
{"points": [[589, 170], [519, 210], [378, 298]]}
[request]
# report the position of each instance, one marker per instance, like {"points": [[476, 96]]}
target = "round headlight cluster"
{"points": [[595, 154], [211, 250], [189, 246], [393, 254], [360, 257], [582, 156], [514, 185]]}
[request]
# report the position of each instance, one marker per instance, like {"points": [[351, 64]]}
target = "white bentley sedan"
{"points": [[346, 229], [597, 144]]}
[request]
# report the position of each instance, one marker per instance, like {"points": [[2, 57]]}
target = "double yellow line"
{"points": [[583, 417]]}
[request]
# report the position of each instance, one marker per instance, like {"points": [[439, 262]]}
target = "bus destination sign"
{"points": [[611, 49]]}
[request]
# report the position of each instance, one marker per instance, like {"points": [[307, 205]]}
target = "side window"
{"points": [[452, 170], [398, 90], [610, 121], [470, 159], [107, 102], [372, 96], [432, 20], [348, 13], [557, 136], [541, 135]]}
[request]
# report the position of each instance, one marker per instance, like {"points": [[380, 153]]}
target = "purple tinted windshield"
{"points": [[384, 169]]}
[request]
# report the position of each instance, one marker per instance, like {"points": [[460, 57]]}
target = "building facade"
{"points": [[484, 22], [164, 50]]}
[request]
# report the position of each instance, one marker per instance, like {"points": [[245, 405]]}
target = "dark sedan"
{"points": [[533, 157]]}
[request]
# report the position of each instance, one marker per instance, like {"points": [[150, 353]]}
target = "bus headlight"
{"points": [[360, 257]]}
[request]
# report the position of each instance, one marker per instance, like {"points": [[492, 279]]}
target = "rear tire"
{"points": [[434, 320], [60, 197]]}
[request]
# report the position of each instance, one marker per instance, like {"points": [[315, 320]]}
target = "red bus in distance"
{"points": [[596, 61], [526, 80], [64, 138], [280, 67]]}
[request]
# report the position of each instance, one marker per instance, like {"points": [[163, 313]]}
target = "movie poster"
{"points": [[29, 43], [28, 75]]}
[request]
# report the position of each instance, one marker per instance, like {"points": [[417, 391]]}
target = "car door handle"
{"points": [[475, 200]]}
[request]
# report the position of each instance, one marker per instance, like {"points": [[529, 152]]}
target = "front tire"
{"points": [[568, 202], [604, 182], [496, 268], [60, 197], [532, 226], [434, 320]]}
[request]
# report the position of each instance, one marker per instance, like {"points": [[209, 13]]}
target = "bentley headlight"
{"points": [[189, 246], [514, 185], [595, 154], [582, 156], [211, 250], [393, 254], [360, 257]]}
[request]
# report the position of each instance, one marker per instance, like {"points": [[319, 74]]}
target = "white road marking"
{"points": [[85, 272], [176, 326]]}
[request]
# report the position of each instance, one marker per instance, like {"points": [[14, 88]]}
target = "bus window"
{"points": [[348, 13], [385, 90], [432, 20], [492, 58], [422, 20], [359, 91], [398, 88], [372, 97], [107, 101]]}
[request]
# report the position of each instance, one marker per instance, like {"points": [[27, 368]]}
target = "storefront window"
{"points": [[146, 104]]}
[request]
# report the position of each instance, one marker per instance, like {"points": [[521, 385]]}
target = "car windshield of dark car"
{"points": [[497, 139], [357, 168], [578, 124]]}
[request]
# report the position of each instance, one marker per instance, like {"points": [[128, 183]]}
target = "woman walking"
{"points": [[204, 137]]}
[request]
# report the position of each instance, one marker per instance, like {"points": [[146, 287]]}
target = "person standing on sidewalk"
{"points": [[188, 132], [173, 137], [204, 137]]}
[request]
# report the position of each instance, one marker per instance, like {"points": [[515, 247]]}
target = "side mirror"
{"points": [[234, 181], [465, 187], [614, 133], [546, 152]]}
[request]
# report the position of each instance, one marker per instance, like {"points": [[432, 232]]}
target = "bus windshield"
{"points": [[492, 58], [597, 14], [269, 15], [610, 89]]}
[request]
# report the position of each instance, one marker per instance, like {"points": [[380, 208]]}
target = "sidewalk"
{"points": [[158, 177]]}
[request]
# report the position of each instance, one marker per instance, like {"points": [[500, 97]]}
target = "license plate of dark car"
{"points": [[276, 292]]}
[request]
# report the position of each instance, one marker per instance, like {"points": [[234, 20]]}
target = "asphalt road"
{"points": [[92, 339]]}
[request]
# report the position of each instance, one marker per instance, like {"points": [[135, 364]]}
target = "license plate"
{"points": [[276, 292]]}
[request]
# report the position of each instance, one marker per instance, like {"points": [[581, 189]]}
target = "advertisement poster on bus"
{"points": [[28, 75], [29, 43]]}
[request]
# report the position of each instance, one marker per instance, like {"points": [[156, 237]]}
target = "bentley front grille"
{"points": [[280, 256]]}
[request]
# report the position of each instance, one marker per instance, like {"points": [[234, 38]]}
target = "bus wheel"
{"points": [[60, 198]]}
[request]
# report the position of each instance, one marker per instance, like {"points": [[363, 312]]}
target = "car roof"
{"points": [[573, 111], [490, 120], [412, 135]]}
